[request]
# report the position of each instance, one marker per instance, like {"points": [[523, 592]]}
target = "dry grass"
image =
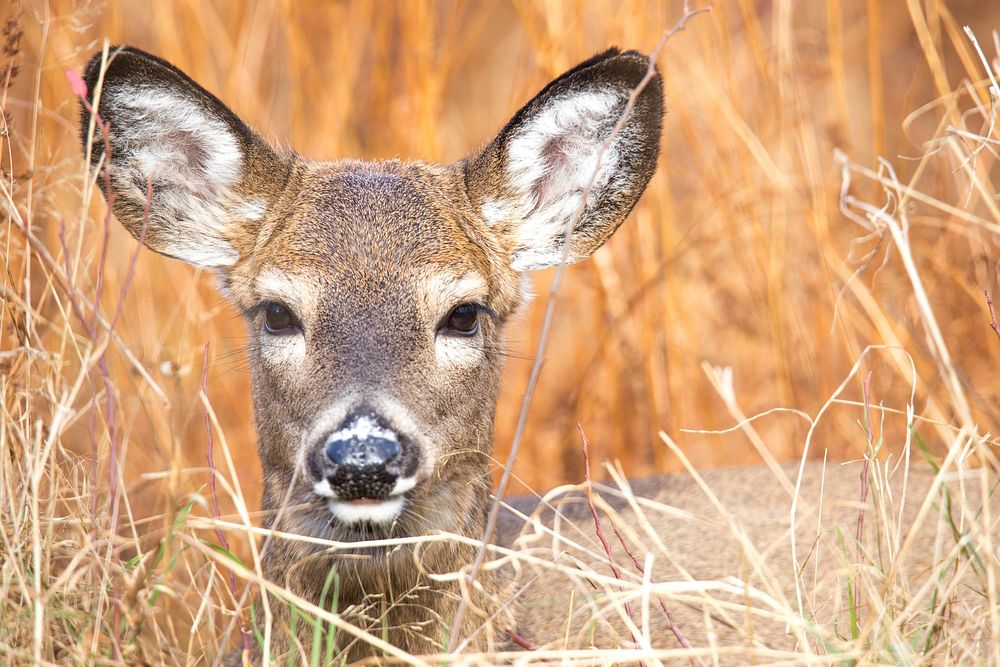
{"points": [[757, 248]]}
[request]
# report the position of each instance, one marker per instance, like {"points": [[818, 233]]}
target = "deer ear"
{"points": [[213, 179], [531, 179]]}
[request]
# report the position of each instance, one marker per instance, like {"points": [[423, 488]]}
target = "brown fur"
{"points": [[748, 543]]}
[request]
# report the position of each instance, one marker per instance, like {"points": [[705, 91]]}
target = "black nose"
{"points": [[366, 455]]}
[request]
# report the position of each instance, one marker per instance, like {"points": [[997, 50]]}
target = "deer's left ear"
{"points": [[531, 179]]}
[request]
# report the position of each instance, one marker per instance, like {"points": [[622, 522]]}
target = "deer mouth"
{"points": [[367, 510], [380, 510]]}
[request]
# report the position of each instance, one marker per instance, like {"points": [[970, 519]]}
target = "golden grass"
{"points": [[744, 254]]}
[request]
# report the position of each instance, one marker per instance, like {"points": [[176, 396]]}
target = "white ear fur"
{"points": [[193, 159], [558, 163], [550, 160]]}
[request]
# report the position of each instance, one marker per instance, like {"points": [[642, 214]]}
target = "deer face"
{"points": [[375, 294], [375, 312]]}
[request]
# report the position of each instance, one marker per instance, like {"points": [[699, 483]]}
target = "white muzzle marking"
{"points": [[366, 511]]}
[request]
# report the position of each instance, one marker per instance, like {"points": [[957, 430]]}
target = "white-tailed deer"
{"points": [[376, 295]]}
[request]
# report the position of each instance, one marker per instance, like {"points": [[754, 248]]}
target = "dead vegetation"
{"points": [[804, 279]]}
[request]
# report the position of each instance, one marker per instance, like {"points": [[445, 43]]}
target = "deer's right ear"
{"points": [[213, 179]]}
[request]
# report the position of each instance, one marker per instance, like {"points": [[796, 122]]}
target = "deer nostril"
{"points": [[363, 454]]}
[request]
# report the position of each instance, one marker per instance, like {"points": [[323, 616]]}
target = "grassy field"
{"points": [[822, 232]]}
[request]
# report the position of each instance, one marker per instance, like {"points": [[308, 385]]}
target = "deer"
{"points": [[376, 294]]}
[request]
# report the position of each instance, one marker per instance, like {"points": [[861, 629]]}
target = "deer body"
{"points": [[726, 551], [375, 295]]}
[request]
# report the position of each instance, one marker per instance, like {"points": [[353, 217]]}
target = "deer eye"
{"points": [[463, 320], [278, 320]]}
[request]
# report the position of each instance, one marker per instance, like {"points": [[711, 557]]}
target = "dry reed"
{"points": [[825, 210]]}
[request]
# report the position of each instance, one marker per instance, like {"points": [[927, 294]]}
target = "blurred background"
{"points": [[737, 255]]}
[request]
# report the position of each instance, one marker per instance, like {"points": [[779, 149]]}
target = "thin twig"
{"points": [[681, 639], [597, 520], [223, 542], [543, 338], [79, 88], [993, 315], [519, 640], [859, 534], [866, 389]]}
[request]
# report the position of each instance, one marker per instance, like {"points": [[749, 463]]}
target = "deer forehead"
{"points": [[391, 213], [373, 232]]}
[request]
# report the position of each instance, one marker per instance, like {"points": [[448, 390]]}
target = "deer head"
{"points": [[375, 293]]}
